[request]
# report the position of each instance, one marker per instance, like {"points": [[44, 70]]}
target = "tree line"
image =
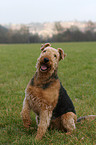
{"points": [[63, 35]]}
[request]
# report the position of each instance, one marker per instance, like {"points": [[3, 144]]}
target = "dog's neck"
{"points": [[44, 79]]}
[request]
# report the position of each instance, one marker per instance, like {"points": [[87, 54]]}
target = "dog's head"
{"points": [[49, 58]]}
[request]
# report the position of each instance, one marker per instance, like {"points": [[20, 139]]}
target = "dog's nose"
{"points": [[46, 59]]}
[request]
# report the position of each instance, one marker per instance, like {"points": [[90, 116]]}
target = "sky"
{"points": [[28, 11]]}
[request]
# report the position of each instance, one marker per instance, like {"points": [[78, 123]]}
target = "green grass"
{"points": [[77, 74]]}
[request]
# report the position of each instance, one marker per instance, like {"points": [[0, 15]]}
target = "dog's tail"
{"points": [[92, 117]]}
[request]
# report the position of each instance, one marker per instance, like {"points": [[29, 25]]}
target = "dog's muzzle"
{"points": [[45, 65]]}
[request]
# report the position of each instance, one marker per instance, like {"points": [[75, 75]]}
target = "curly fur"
{"points": [[46, 96]]}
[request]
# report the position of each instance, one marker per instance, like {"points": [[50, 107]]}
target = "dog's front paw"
{"points": [[26, 124], [38, 137]]}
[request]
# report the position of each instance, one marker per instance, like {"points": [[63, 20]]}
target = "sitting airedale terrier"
{"points": [[46, 96]]}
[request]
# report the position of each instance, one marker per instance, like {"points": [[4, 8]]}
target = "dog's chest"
{"points": [[34, 103], [45, 98]]}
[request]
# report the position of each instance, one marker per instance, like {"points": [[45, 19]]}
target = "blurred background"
{"points": [[36, 21]]}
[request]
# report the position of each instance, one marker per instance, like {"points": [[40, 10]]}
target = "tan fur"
{"points": [[43, 101], [45, 45], [38, 96], [66, 122], [49, 52]]}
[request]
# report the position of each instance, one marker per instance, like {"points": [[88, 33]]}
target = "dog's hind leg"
{"points": [[45, 118], [68, 121], [25, 113]]}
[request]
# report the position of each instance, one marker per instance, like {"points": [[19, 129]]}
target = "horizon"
{"points": [[47, 22]]}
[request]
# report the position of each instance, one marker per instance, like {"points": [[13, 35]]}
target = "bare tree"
{"points": [[58, 27]]}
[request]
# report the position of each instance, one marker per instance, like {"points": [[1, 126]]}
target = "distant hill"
{"points": [[48, 28], [3, 29], [3, 34]]}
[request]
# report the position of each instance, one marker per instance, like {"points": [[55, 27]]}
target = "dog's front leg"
{"points": [[45, 117], [26, 114]]}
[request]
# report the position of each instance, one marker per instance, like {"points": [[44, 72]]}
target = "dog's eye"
{"points": [[44, 51], [55, 55]]}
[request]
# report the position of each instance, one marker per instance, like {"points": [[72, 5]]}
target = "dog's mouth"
{"points": [[44, 67]]}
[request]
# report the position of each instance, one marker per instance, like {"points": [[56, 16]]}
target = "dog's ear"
{"points": [[61, 53], [45, 45]]}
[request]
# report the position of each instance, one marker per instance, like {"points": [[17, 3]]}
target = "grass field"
{"points": [[77, 74]]}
